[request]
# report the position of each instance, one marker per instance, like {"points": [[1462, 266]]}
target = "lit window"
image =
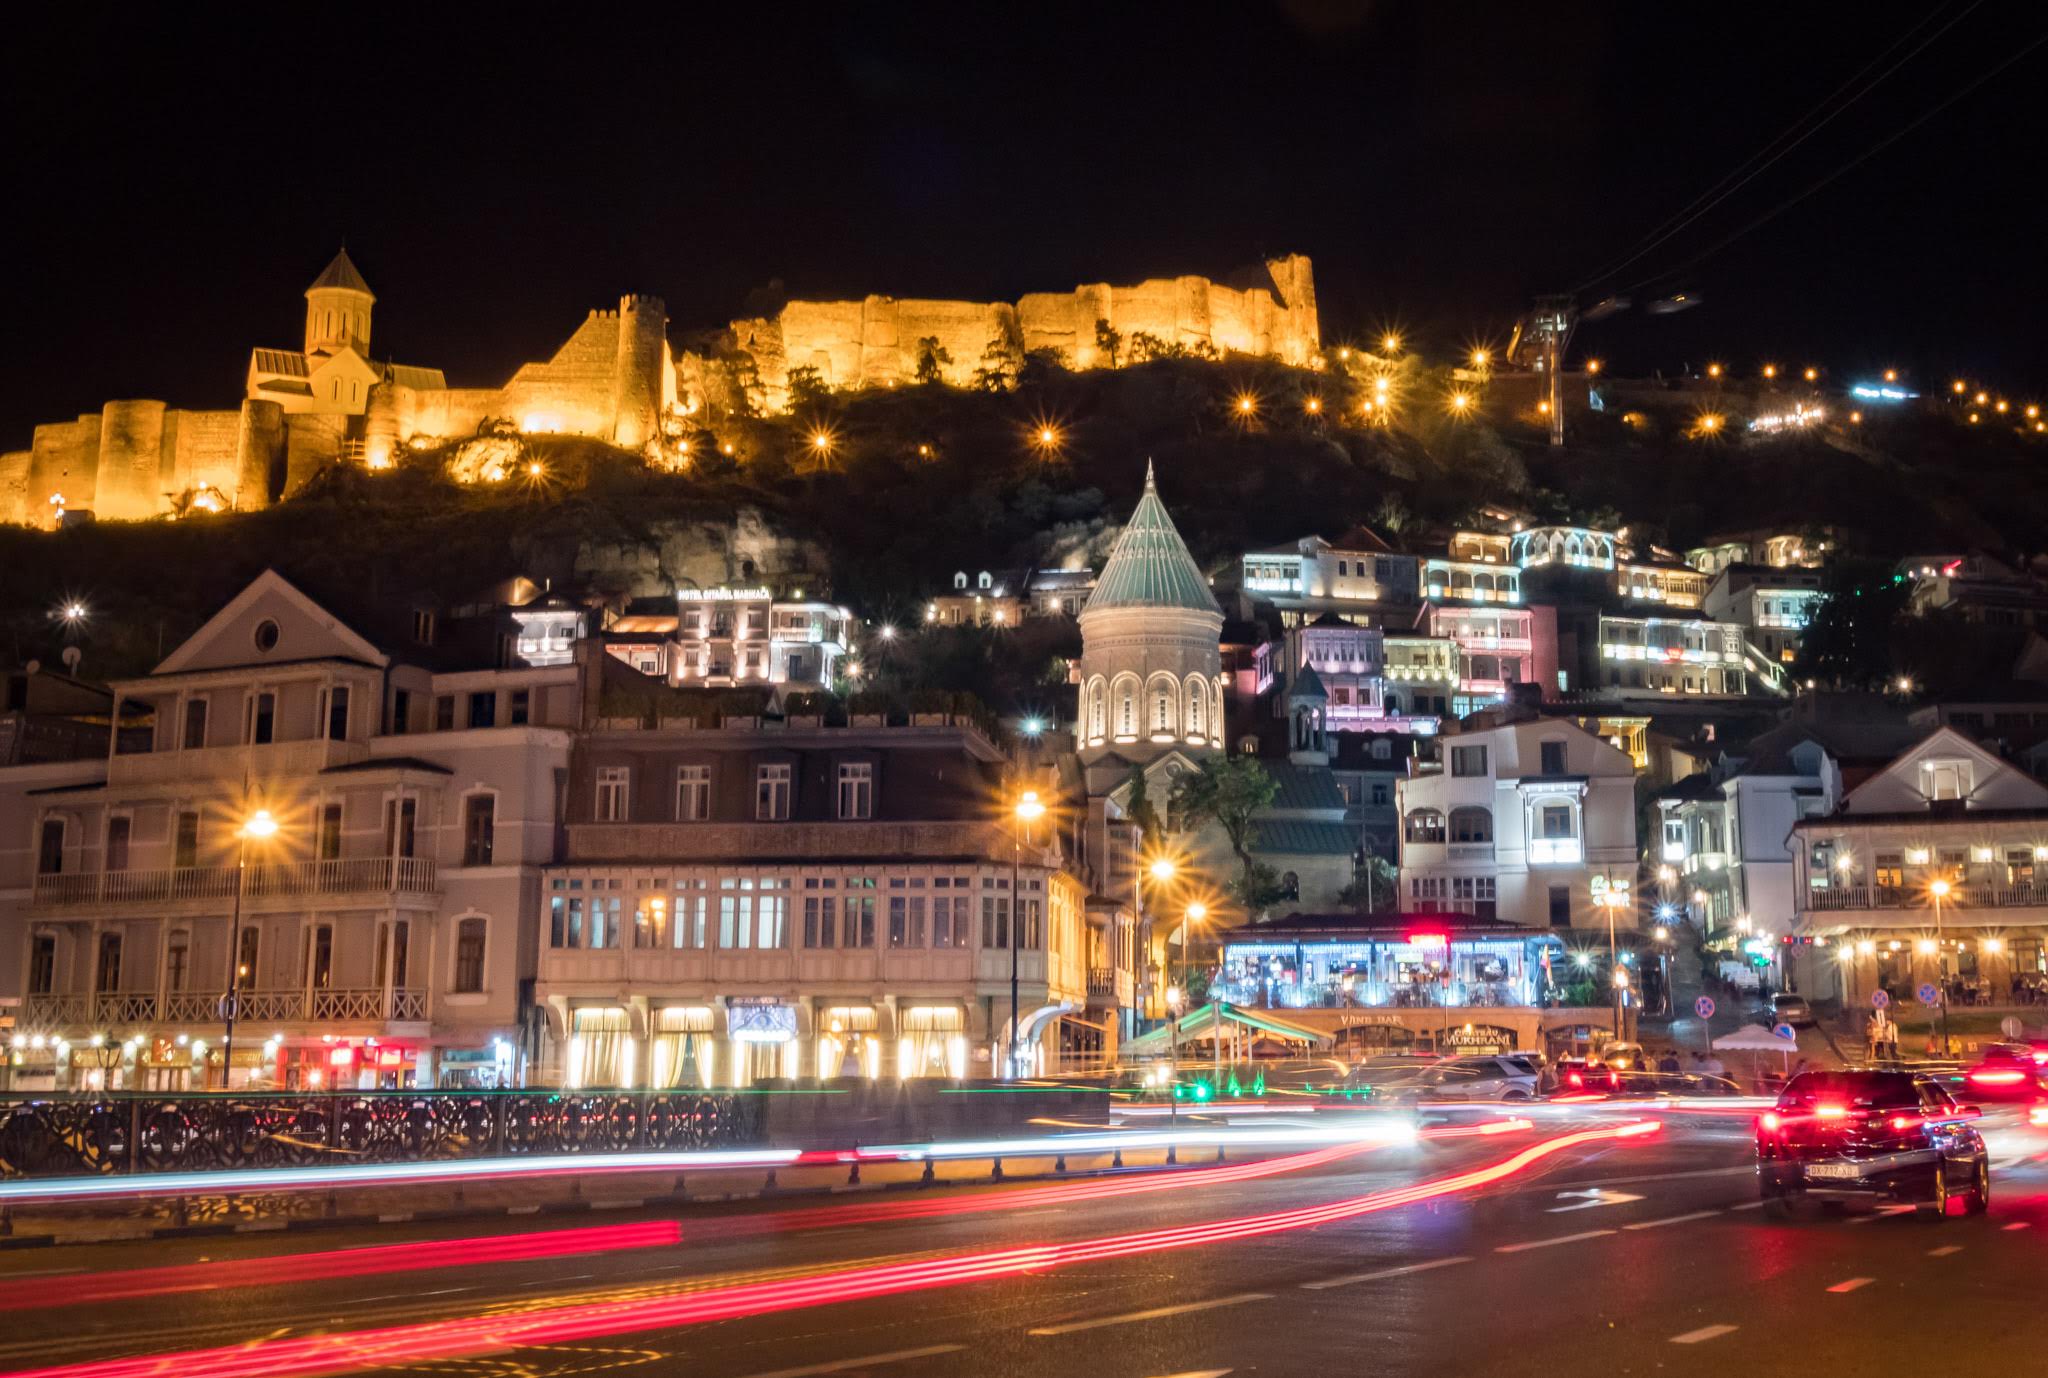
{"points": [[613, 787]]}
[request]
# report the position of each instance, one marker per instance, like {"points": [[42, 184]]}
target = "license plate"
{"points": [[1833, 1170]]}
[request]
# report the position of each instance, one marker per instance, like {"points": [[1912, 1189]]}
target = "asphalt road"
{"points": [[1636, 1256]]}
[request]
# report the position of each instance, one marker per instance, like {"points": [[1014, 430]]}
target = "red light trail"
{"points": [[582, 1321]]}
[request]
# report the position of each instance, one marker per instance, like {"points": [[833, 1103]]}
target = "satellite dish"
{"points": [[33, 667], [72, 655]]}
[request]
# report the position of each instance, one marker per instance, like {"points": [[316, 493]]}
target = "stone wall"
{"points": [[134, 460], [874, 342]]}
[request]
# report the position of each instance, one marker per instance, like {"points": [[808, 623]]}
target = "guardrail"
{"points": [[139, 1133], [1960, 898], [342, 876]]}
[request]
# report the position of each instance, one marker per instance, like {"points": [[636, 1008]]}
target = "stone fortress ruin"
{"points": [[614, 379]]}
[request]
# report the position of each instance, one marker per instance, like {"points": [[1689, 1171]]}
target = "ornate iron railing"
{"points": [[68, 1013], [73, 1135]]}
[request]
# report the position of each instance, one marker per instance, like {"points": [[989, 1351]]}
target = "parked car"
{"points": [[1871, 1136], [1791, 1009], [1580, 1077], [1485, 1077]]}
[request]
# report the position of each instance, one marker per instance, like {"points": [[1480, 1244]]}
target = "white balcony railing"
{"points": [[1556, 851], [1960, 900], [349, 876], [327, 1004]]}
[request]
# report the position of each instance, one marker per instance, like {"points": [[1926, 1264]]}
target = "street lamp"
{"points": [[1939, 891], [1194, 914], [260, 826], [1028, 810]]}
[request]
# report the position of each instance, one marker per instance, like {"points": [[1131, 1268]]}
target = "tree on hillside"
{"points": [[807, 386], [932, 358], [1228, 790], [1109, 342], [998, 369]]}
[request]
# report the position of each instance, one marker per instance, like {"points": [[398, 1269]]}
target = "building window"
{"points": [[821, 921], [401, 711], [337, 713], [995, 921], [1468, 760], [771, 793], [693, 794], [522, 707], [1560, 906], [469, 957], [42, 965], [119, 828], [479, 829], [195, 724], [1425, 825], [247, 950], [1471, 825], [185, 840], [859, 917], [444, 713], [613, 783], [856, 790], [1379, 794], [1553, 758], [327, 833], [263, 718], [1888, 870], [906, 920], [1556, 820], [423, 627], [401, 817], [1945, 779], [107, 974], [50, 848], [177, 960], [483, 710], [321, 965]]}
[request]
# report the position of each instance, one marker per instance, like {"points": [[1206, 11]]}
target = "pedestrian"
{"points": [[1669, 1061]]}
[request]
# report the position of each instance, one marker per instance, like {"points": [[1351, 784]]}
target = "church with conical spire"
{"points": [[1151, 682]]}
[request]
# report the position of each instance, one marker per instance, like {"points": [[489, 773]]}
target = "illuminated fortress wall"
{"points": [[137, 458], [875, 341]]}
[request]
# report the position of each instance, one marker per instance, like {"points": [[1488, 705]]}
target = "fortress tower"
{"points": [[1151, 659], [338, 309], [637, 392]]}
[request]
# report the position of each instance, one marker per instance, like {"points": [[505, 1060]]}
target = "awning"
{"points": [[1202, 1023]]}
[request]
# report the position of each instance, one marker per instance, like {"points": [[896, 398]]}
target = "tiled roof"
{"points": [[1290, 837], [342, 274], [288, 363], [413, 376], [1307, 685], [1150, 566], [1303, 787]]}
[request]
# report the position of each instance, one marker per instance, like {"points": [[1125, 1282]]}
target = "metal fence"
{"points": [[72, 1135]]}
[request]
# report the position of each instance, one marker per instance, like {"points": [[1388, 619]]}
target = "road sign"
{"points": [[1704, 1007], [228, 1006], [1878, 999], [1786, 1032], [1928, 994], [2011, 1027]]}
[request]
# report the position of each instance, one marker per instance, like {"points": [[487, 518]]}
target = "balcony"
{"points": [[1555, 851], [272, 760], [1955, 908], [324, 1004], [1470, 851], [288, 880]]}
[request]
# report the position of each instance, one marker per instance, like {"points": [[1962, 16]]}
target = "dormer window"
{"points": [[1945, 779]]}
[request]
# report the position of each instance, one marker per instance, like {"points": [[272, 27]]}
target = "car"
{"points": [[1791, 1009], [2007, 1072], [1485, 1077], [1837, 1137], [1626, 1057], [1580, 1078]]}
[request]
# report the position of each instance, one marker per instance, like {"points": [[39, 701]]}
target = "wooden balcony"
{"points": [[127, 1009]]}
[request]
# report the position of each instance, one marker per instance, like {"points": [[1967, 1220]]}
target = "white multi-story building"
{"points": [[1680, 656], [1352, 664], [385, 924], [1353, 577], [1774, 603], [1515, 820], [736, 905], [1497, 648], [1946, 821], [737, 637]]}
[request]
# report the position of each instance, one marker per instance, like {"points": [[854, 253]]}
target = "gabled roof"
{"points": [[342, 274], [342, 640], [289, 363], [1150, 566], [1307, 687]]}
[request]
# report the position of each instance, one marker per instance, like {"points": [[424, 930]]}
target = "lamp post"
{"points": [[1195, 913], [261, 826], [1611, 895], [1028, 810], [1939, 891]]}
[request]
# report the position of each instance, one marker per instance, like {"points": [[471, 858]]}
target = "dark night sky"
{"points": [[174, 183]]}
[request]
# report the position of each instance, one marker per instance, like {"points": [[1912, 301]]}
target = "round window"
{"points": [[266, 635]]}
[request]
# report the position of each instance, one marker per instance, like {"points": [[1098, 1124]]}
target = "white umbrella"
{"points": [[1754, 1038]]}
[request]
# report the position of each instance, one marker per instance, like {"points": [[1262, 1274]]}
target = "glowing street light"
{"points": [[259, 826], [1480, 358], [1593, 367], [821, 442], [1390, 343], [1891, 375], [1460, 402], [1028, 809], [1313, 406], [1247, 404], [1770, 371], [1163, 869], [886, 631], [1713, 370], [1812, 375]]}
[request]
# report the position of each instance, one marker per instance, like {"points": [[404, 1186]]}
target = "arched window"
{"points": [[470, 937], [1425, 825], [1126, 695], [1197, 719], [1471, 825], [987, 580], [960, 580], [1098, 708]]}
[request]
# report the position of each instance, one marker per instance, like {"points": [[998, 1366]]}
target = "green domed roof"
{"points": [[1149, 567]]}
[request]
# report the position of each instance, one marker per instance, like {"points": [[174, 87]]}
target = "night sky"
{"points": [[175, 181]]}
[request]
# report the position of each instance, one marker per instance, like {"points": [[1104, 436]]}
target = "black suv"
{"points": [[1871, 1136]]}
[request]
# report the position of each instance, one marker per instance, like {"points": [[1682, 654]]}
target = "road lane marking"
{"points": [[1671, 1220], [1945, 1250], [1851, 1284], [1156, 1313], [866, 1360], [1546, 1243], [1883, 1212], [1401, 1271], [2019, 1225], [1703, 1334], [1748, 1206], [1592, 1198]]}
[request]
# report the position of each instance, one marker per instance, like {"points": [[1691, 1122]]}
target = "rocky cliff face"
{"points": [[701, 554]]}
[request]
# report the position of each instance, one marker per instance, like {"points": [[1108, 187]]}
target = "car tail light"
{"points": [[1903, 1122], [1998, 1077], [2038, 1116], [1576, 1079], [1770, 1122], [1831, 1112]]}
